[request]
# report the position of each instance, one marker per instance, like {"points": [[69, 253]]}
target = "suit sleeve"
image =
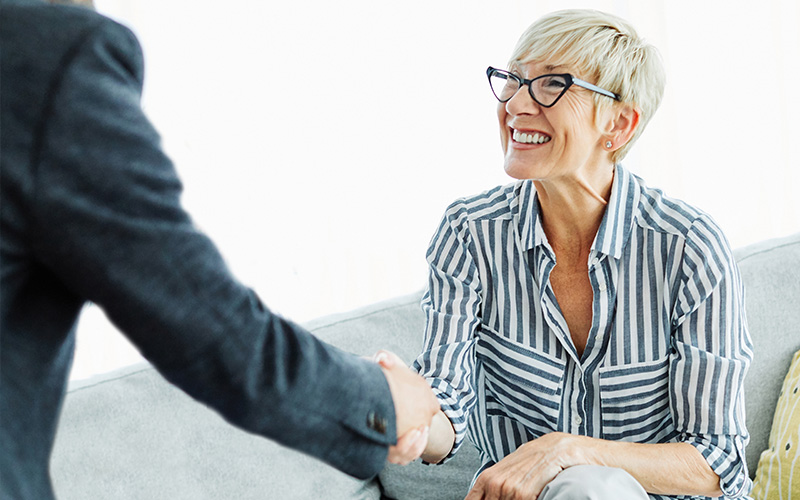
{"points": [[108, 221]]}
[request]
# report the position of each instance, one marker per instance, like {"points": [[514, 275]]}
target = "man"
{"points": [[91, 212]]}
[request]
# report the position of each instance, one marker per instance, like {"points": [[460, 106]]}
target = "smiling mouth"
{"points": [[525, 138]]}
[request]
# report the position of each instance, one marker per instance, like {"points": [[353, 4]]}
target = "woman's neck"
{"points": [[572, 209]]}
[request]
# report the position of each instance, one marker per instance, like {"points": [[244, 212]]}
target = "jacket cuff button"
{"points": [[376, 422]]}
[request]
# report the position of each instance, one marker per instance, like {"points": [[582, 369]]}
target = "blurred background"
{"points": [[320, 142]]}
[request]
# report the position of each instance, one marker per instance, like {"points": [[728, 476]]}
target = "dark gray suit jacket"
{"points": [[91, 212]]}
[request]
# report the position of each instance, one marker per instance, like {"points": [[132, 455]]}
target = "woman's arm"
{"points": [[440, 440], [668, 468], [452, 307], [710, 354]]}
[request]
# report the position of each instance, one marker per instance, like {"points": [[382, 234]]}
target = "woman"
{"points": [[585, 331]]}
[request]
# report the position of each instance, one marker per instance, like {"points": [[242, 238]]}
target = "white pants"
{"points": [[593, 482]]}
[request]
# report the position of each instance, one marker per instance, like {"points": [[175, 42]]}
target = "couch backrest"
{"points": [[771, 274]]}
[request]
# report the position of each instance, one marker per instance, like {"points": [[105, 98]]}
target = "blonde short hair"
{"points": [[607, 51]]}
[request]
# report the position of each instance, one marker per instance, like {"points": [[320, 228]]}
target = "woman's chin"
{"points": [[522, 171]]}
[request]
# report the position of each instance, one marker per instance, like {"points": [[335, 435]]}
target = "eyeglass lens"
{"points": [[546, 89]]}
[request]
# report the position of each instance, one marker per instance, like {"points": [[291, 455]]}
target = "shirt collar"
{"points": [[530, 226], [615, 228]]}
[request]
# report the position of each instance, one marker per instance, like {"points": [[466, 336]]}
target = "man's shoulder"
{"points": [[40, 43], [30, 19], [43, 35]]}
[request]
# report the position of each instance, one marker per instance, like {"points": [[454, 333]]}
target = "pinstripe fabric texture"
{"points": [[668, 347]]}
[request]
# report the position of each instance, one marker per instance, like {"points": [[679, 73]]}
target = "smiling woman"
{"points": [[571, 314]]}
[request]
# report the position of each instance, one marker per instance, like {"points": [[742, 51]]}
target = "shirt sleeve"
{"points": [[452, 307], [108, 223], [711, 352]]}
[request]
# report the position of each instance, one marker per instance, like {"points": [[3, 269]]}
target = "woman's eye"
{"points": [[555, 83]]}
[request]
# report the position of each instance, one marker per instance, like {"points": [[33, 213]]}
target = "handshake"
{"points": [[423, 430]]}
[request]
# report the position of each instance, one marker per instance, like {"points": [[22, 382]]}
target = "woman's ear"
{"points": [[621, 126]]}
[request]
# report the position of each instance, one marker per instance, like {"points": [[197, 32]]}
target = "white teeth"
{"points": [[530, 139]]}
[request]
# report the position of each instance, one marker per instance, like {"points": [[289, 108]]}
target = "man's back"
{"points": [[91, 212], [34, 364]]}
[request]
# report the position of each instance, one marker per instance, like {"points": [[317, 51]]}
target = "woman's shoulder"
{"points": [[495, 203], [667, 214]]}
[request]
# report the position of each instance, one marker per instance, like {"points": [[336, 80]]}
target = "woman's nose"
{"points": [[522, 103]]}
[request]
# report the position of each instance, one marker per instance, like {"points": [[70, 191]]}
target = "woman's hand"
{"points": [[409, 447], [524, 473]]}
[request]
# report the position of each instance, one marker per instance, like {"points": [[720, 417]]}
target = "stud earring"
{"points": [[608, 144]]}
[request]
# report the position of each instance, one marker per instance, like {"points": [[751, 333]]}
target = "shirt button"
{"points": [[601, 287], [577, 420], [595, 261]]}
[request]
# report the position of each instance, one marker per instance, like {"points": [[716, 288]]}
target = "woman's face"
{"points": [[568, 141]]}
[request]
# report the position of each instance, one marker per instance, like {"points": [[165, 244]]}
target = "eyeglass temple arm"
{"points": [[587, 85]]}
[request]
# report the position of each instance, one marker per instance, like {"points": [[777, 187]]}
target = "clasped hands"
{"points": [[414, 404], [431, 439]]}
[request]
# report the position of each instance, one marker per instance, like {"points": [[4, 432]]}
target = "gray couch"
{"points": [[131, 435]]}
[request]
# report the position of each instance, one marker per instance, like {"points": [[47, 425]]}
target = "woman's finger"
{"points": [[385, 359], [409, 446]]}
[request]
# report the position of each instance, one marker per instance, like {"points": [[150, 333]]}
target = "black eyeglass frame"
{"points": [[490, 71]]}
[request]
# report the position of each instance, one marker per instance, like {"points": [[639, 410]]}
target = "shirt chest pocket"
{"points": [[520, 382], [635, 402]]}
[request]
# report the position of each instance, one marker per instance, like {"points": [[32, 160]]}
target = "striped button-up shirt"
{"points": [[668, 347]]}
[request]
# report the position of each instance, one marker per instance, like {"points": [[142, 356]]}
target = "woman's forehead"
{"points": [[540, 67]]}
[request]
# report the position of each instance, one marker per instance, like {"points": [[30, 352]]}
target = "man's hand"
{"points": [[414, 406]]}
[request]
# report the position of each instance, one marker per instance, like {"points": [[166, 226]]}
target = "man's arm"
{"points": [[109, 223]]}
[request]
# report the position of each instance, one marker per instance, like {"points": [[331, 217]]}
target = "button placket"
{"points": [[598, 276], [576, 407]]}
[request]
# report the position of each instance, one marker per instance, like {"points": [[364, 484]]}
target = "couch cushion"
{"points": [[132, 435], [777, 474], [417, 481], [771, 274]]}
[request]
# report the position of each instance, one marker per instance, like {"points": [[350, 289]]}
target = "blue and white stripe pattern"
{"points": [[668, 347]]}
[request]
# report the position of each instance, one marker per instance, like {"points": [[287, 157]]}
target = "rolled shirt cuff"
{"points": [[725, 455]]}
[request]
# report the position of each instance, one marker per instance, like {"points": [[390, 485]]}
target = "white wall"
{"points": [[319, 142]]}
